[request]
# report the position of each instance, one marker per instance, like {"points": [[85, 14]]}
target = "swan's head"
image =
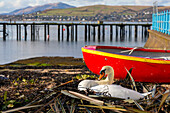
{"points": [[106, 71]]}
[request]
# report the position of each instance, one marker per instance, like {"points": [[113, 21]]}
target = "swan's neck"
{"points": [[108, 80]]}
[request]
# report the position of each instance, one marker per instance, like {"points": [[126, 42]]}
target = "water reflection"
{"points": [[12, 50]]}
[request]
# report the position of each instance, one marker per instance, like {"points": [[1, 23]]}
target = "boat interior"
{"points": [[138, 53]]}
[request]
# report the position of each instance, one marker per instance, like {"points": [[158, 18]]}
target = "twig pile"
{"points": [[41, 90]]}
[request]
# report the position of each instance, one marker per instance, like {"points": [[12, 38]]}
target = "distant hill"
{"points": [[30, 9], [101, 9], [94, 10]]}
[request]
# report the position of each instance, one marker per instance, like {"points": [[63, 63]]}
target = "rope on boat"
{"points": [[133, 50], [130, 51]]}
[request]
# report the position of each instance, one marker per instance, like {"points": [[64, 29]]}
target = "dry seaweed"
{"points": [[34, 89]]}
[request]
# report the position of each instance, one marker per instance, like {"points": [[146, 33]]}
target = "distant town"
{"points": [[145, 16]]}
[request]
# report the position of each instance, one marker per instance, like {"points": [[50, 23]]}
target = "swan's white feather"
{"points": [[117, 91]]}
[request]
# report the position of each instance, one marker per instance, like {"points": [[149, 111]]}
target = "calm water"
{"points": [[12, 50]]}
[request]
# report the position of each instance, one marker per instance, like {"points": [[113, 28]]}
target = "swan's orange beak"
{"points": [[101, 75]]}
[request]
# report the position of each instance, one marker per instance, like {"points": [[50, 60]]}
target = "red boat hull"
{"points": [[144, 69]]}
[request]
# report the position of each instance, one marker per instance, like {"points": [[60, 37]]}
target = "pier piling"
{"points": [[17, 32], [58, 32], [129, 30], [94, 33], [85, 33], [72, 33], [4, 32], [45, 32], [33, 32], [136, 30], [98, 33], [76, 33], [142, 32], [89, 33], [111, 33], [103, 33], [62, 31], [116, 31], [48, 32], [120, 30], [25, 26], [68, 32]]}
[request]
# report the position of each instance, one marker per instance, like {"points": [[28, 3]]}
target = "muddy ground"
{"points": [[39, 81], [25, 80]]}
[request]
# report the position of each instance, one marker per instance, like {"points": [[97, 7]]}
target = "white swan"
{"points": [[118, 92], [104, 87], [106, 71]]}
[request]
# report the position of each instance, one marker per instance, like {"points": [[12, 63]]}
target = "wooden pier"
{"points": [[121, 29]]}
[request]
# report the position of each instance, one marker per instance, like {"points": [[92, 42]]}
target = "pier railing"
{"points": [[161, 22]]}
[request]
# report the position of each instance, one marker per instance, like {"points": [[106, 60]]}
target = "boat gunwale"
{"points": [[126, 48], [93, 50]]}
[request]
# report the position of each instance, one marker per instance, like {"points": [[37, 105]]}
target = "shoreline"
{"points": [[46, 61]]}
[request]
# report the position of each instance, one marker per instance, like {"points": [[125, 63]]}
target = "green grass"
{"points": [[92, 10], [38, 64], [67, 12]]}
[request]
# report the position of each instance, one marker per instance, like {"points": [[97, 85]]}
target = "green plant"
{"points": [[85, 76]]}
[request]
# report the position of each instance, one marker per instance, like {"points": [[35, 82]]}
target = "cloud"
{"points": [[150, 2], [17, 3], [164, 2], [2, 4], [120, 2], [101, 2], [146, 2]]}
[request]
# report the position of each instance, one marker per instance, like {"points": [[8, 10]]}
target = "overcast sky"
{"points": [[10, 5]]}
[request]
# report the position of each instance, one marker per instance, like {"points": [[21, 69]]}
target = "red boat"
{"points": [[149, 65]]}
